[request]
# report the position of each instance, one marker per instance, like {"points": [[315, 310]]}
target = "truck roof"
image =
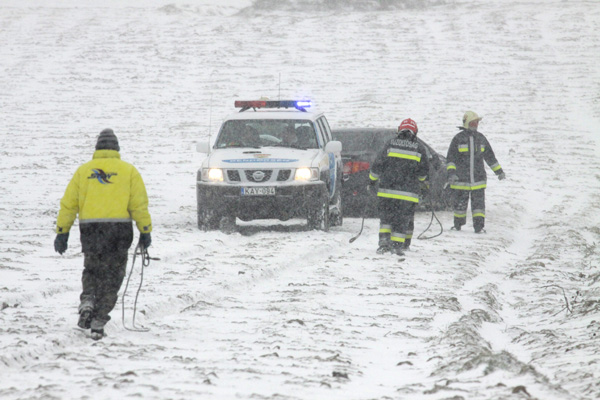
{"points": [[275, 109]]}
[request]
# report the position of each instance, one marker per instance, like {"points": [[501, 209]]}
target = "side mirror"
{"points": [[334, 146], [203, 147]]}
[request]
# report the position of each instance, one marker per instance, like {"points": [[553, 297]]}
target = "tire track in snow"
{"points": [[223, 286], [493, 332]]}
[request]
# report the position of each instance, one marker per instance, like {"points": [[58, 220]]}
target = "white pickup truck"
{"points": [[271, 160]]}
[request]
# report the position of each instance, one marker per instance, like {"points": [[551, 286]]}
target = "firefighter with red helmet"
{"points": [[466, 173], [401, 169]]}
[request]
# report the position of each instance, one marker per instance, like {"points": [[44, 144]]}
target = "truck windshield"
{"points": [[256, 133]]}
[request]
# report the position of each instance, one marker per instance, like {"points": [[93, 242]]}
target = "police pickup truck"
{"points": [[271, 160]]}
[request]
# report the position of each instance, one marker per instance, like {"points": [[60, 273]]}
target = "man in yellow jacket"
{"points": [[108, 194]]}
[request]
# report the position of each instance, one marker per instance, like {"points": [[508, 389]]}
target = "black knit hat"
{"points": [[107, 140]]}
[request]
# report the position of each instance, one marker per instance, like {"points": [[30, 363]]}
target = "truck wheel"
{"points": [[318, 217], [207, 220], [337, 217], [227, 224]]}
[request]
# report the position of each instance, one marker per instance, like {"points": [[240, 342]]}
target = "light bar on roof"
{"points": [[298, 104], [303, 103], [250, 104]]}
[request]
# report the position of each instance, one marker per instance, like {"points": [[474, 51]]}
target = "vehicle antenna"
{"points": [[209, 120]]}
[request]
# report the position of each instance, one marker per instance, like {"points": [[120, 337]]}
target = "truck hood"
{"points": [[265, 157]]}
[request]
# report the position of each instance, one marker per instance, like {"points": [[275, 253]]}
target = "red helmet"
{"points": [[410, 125]]}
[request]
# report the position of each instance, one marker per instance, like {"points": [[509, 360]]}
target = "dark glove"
{"points": [[60, 243], [424, 189], [501, 176], [145, 240], [371, 186], [452, 179]]}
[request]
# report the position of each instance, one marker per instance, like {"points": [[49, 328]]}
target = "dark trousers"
{"points": [[396, 218], [461, 202], [101, 280]]}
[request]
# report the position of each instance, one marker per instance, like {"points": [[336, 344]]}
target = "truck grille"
{"points": [[233, 175], [284, 175], [250, 174]]}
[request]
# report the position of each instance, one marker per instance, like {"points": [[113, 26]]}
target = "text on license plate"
{"points": [[258, 191]]}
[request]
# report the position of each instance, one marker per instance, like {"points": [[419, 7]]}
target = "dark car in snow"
{"points": [[359, 149]]}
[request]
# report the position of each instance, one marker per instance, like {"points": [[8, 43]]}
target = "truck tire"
{"points": [[227, 224], [337, 217], [207, 220], [318, 217]]}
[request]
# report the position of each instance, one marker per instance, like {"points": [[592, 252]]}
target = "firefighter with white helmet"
{"points": [[466, 173]]}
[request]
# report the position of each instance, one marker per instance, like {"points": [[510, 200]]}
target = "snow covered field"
{"points": [[275, 311]]}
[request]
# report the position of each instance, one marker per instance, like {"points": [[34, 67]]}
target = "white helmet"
{"points": [[469, 117]]}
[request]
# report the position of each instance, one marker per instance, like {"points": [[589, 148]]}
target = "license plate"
{"points": [[258, 191]]}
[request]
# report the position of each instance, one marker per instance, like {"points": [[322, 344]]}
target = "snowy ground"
{"points": [[275, 311]]}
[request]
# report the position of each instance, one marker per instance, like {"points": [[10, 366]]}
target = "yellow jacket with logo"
{"points": [[107, 193]]}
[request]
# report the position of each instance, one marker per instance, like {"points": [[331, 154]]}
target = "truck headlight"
{"points": [[212, 174], [307, 174]]}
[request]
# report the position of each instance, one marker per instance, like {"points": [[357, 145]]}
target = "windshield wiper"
{"points": [[293, 146], [239, 145]]}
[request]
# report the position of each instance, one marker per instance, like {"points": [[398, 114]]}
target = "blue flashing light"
{"points": [[303, 103]]}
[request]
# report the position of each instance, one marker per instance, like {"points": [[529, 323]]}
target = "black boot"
{"points": [[478, 227], [398, 249], [97, 334], [384, 248], [85, 319]]}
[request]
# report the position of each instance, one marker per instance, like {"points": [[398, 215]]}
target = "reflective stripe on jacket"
{"points": [[466, 154]]}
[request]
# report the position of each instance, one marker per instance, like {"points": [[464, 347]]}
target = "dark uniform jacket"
{"points": [[107, 193], [399, 167], [466, 154]]}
